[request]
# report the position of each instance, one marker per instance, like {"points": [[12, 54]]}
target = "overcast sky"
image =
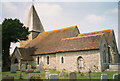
{"points": [[88, 16]]}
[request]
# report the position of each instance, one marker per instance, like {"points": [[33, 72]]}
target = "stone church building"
{"points": [[66, 49]]}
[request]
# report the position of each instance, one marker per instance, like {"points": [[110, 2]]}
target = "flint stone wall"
{"points": [[91, 60]]}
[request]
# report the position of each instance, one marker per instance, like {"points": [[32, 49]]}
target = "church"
{"points": [[66, 49]]}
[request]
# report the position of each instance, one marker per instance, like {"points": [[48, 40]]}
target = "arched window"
{"points": [[47, 59], [62, 60], [80, 64], [38, 60]]}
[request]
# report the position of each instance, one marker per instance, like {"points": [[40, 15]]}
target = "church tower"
{"points": [[34, 24]]}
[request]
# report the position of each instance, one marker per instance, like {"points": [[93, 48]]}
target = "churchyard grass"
{"points": [[94, 75], [0, 76]]}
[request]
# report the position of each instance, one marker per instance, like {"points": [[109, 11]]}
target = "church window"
{"points": [[80, 64], [62, 60], [80, 60], [47, 59], [38, 60]]}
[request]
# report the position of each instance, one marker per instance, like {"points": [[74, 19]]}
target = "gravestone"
{"points": [[47, 75], [72, 75], [38, 69], [17, 68], [115, 76], [8, 78], [53, 77], [104, 77], [61, 74], [114, 67], [28, 67], [13, 68], [23, 67]]}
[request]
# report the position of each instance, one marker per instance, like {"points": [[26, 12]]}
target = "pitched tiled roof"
{"points": [[81, 43], [67, 39], [48, 42], [108, 34], [26, 53]]}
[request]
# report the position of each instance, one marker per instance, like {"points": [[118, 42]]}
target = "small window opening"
{"points": [[62, 60], [38, 60], [47, 59]]}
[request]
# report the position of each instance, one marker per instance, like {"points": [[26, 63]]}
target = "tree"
{"points": [[12, 31]]}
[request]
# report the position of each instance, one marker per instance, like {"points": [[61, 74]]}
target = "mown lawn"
{"points": [[94, 75]]}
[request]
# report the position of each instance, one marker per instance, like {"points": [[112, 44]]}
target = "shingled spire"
{"points": [[33, 21], [34, 24]]}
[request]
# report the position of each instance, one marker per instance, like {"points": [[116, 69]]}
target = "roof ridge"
{"points": [[57, 30], [96, 32], [101, 34], [71, 27], [61, 29]]}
